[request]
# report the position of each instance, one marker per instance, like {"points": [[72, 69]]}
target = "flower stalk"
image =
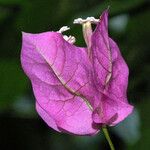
{"points": [[107, 136]]}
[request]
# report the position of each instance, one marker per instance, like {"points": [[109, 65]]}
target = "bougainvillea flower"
{"points": [[76, 93]]}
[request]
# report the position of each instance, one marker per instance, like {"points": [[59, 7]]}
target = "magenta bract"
{"points": [[73, 93]]}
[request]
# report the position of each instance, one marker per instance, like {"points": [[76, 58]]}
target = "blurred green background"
{"points": [[129, 25]]}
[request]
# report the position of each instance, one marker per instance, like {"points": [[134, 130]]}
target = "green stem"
{"points": [[108, 137]]}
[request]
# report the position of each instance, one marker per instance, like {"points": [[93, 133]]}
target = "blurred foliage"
{"points": [[20, 127], [13, 82]]}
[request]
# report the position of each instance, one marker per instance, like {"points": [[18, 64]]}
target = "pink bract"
{"points": [[73, 93]]}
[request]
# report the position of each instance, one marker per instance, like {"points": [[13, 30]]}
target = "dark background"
{"points": [[129, 25]]}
